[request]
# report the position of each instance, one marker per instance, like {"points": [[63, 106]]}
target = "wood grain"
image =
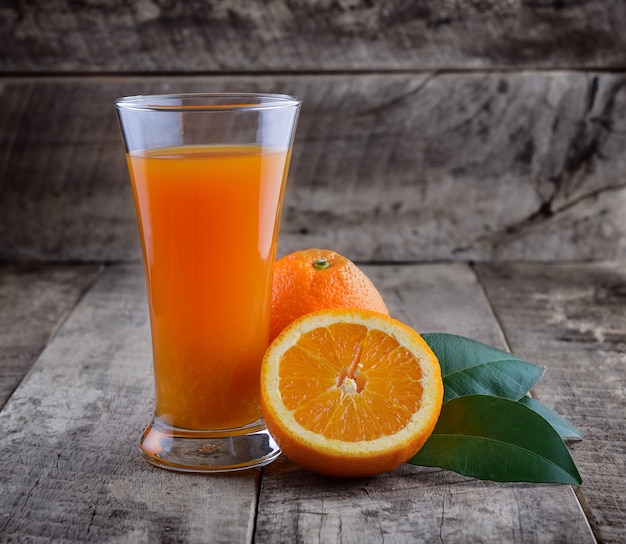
{"points": [[572, 319], [70, 470], [441, 130], [417, 504], [498, 166], [279, 35], [34, 301]]}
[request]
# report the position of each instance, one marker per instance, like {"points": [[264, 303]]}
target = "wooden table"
{"points": [[76, 392]]}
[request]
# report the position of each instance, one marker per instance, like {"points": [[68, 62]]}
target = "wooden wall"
{"points": [[433, 130]]}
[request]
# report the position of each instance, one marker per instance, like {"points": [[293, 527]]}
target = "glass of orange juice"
{"points": [[208, 174]]}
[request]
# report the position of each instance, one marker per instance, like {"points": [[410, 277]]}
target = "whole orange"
{"points": [[309, 280]]}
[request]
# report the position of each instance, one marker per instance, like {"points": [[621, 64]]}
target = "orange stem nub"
{"points": [[321, 264]]}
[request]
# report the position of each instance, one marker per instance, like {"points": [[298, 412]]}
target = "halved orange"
{"points": [[350, 392]]}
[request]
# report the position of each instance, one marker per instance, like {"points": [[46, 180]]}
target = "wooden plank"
{"points": [[70, 468], [572, 319], [385, 168], [417, 504], [34, 301], [217, 35], [64, 146]]}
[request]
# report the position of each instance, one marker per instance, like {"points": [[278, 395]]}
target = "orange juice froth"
{"points": [[208, 218]]}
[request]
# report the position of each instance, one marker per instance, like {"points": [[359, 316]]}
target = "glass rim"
{"points": [[207, 102]]}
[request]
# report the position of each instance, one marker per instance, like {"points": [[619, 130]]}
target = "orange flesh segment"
{"points": [[350, 384]]}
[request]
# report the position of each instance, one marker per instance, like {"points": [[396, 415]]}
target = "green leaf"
{"points": [[491, 438], [559, 423], [469, 367]]}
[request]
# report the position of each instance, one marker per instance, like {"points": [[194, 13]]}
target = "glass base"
{"points": [[227, 450]]}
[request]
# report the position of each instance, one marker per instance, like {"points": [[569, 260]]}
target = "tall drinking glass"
{"points": [[208, 173]]}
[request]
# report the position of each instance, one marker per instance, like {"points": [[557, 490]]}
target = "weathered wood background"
{"points": [[436, 130]]}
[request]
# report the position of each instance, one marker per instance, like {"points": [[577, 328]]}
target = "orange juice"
{"points": [[208, 221]]}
